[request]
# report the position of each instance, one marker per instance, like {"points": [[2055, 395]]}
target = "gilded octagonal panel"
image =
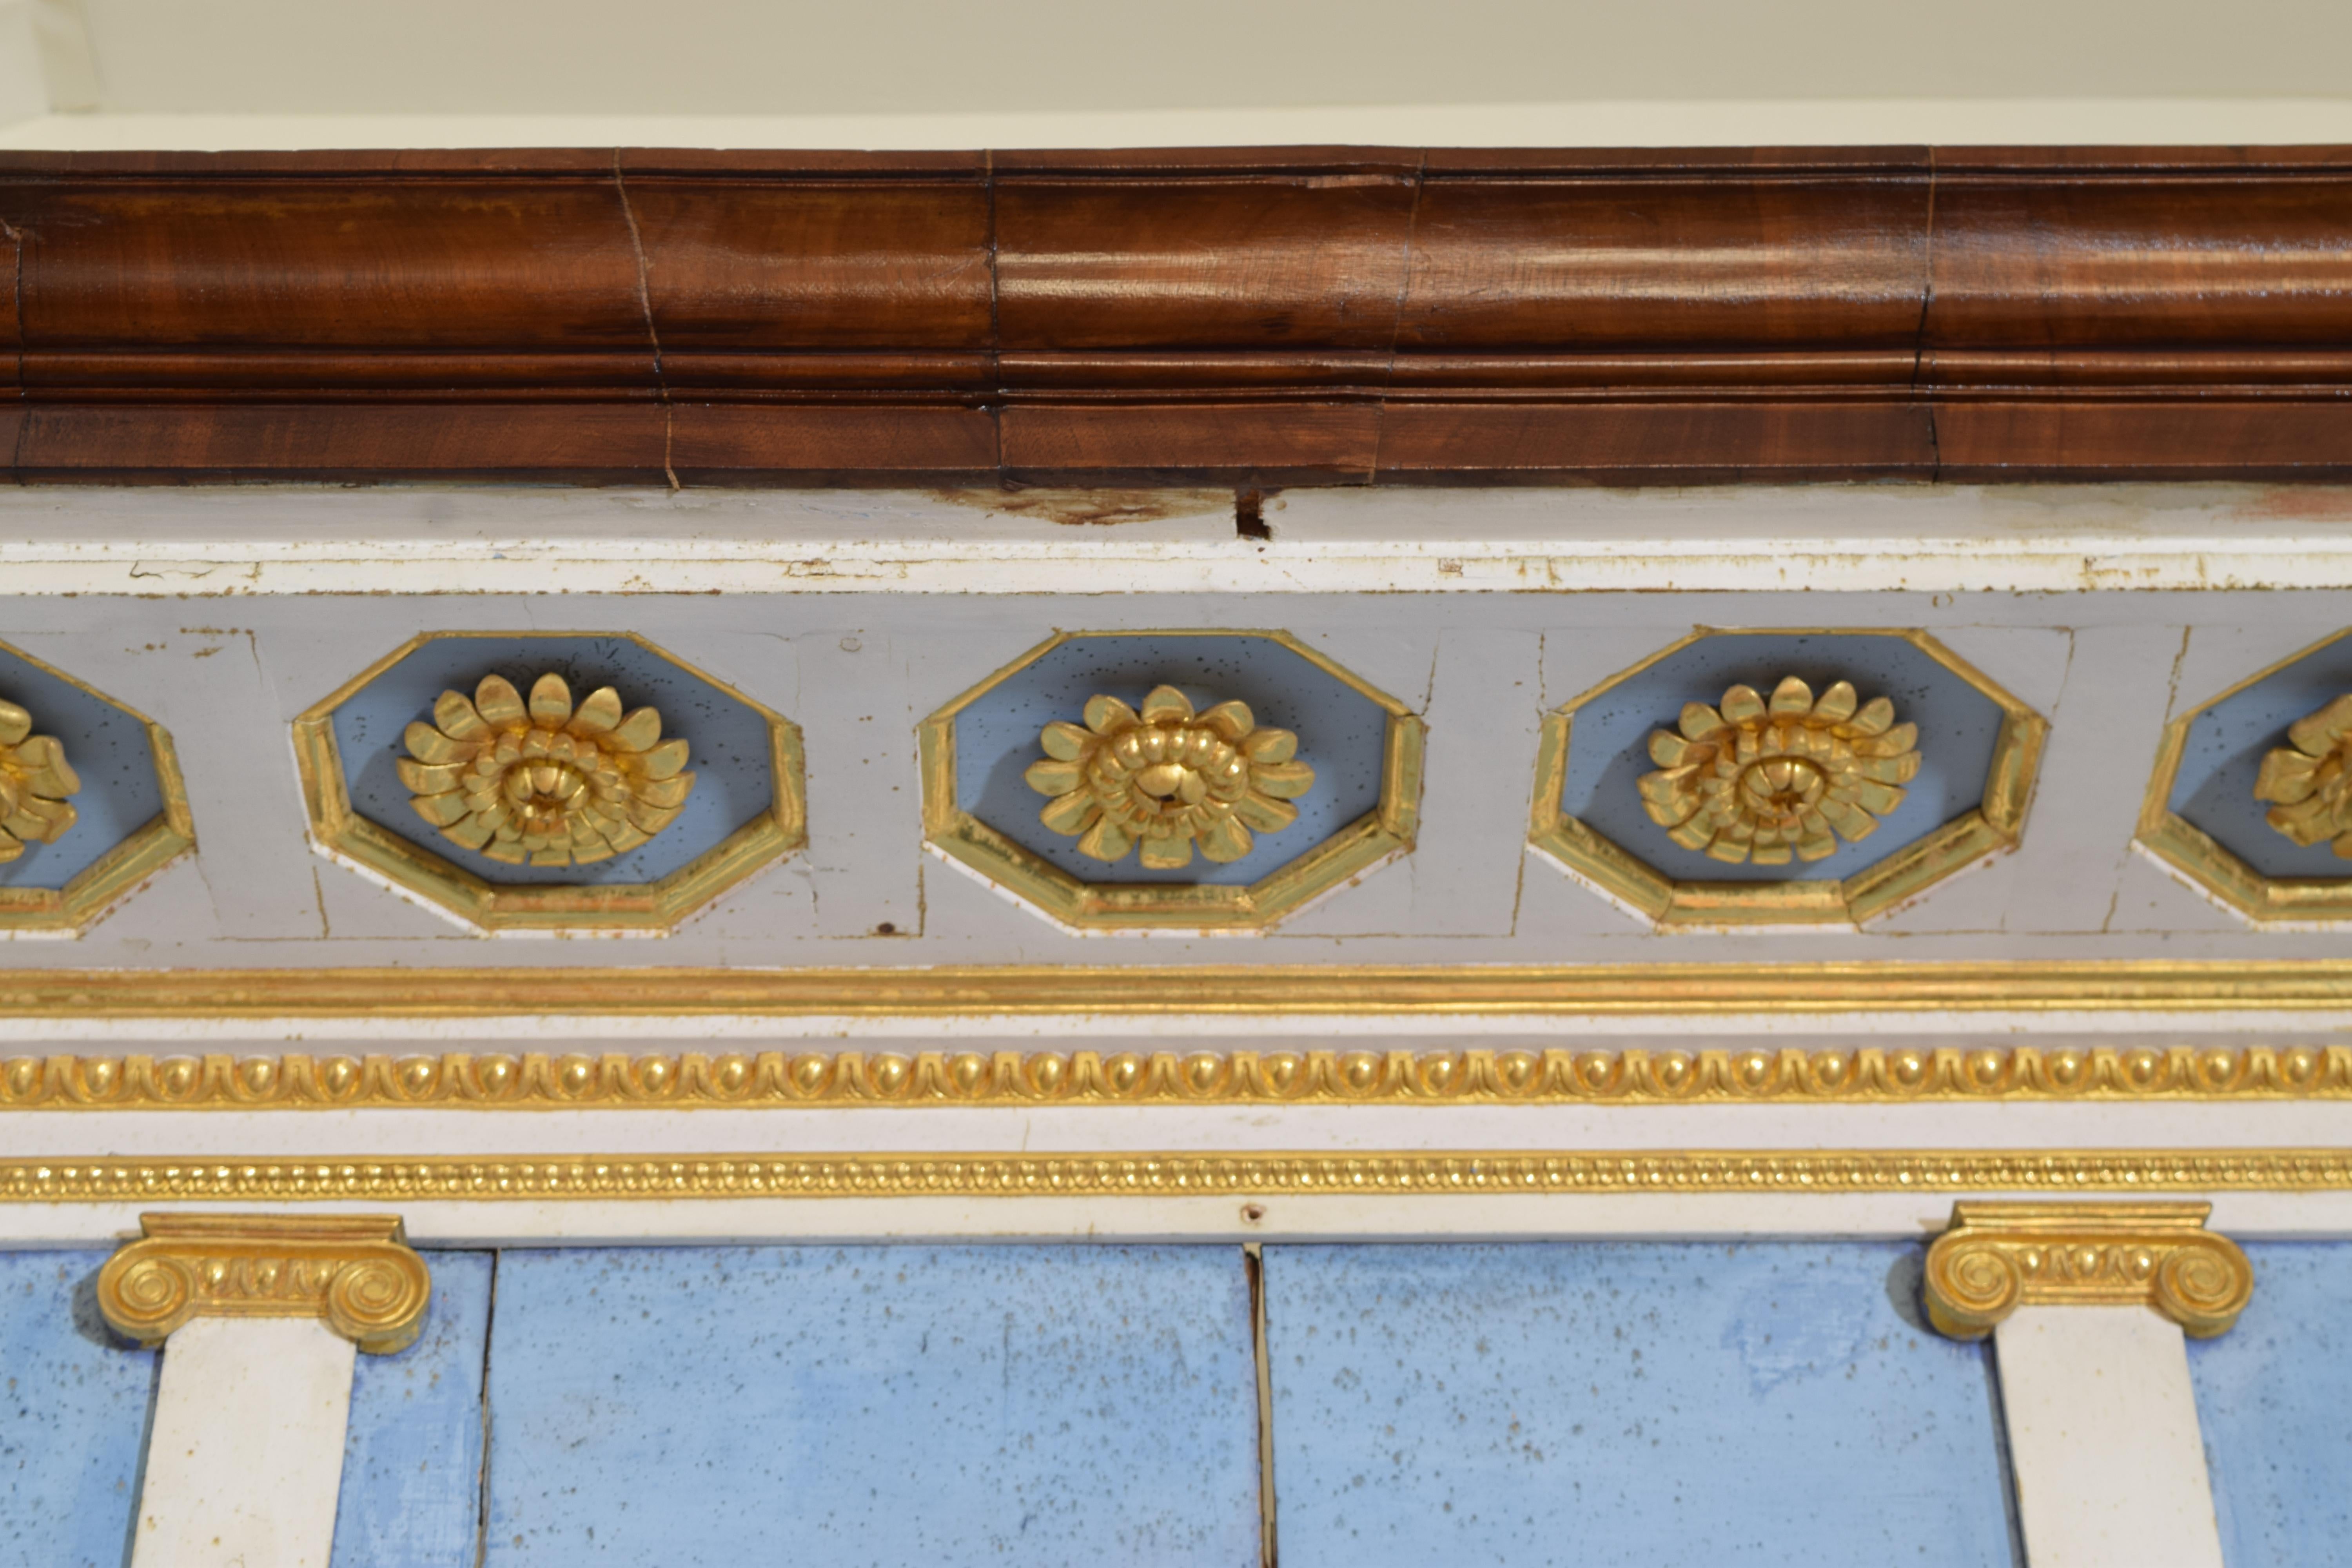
{"points": [[2251, 795], [1783, 777], [550, 781], [1171, 780], [91, 804]]}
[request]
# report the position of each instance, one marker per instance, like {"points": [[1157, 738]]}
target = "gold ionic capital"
{"points": [[356, 1273], [1998, 1257]]}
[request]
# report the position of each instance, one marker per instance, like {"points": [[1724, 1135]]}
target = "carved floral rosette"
{"points": [[2309, 780], [35, 780], [543, 780], [1166, 778], [1999, 1257], [355, 1273], [1761, 781]]}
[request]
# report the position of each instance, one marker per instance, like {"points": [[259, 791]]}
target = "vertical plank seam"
{"points": [[995, 322], [16, 288], [1920, 343], [482, 1482], [646, 305], [1396, 317], [1254, 1268]]}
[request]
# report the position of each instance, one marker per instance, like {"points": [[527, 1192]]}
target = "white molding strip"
{"points": [[291, 540], [1899, 1216]]}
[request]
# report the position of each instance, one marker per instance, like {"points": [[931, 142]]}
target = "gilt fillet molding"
{"points": [[1026, 991], [355, 1273], [611, 1080], [1998, 1257], [1244, 316], [661, 1178]]}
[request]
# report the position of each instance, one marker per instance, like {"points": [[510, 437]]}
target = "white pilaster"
{"points": [[246, 1456], [2103, 1439]]}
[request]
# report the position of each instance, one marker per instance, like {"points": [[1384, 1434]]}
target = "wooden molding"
{"points": [[1252, 317]]}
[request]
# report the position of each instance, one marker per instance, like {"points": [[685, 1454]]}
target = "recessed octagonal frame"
{"points": [[1995, 824], [2196, 855], [114, 876], [611, 907], [1385, 831]]}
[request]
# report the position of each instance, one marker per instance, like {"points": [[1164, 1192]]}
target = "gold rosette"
{"points": [[1166, 777], [2310, 779], [543, 780], [35, 780], [1760, 780]]}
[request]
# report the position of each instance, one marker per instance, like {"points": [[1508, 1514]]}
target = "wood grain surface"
{"points": [[1257, 317]]}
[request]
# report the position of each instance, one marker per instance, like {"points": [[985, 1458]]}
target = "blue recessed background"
{"points": [[1342, 735], [1609, 743], [411, 1491], [872, 1407], [727, 744], [2214, 790], [74, 1406], [110, 752], [2275, 1399], [1626, 1405]]}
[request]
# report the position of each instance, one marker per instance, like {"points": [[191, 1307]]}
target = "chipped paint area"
{"points": [[1090, 508], [1625, 1404], [708, 1407], [294, 540]]}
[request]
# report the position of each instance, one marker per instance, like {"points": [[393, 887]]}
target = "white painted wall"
{"points": [[943, 73]]}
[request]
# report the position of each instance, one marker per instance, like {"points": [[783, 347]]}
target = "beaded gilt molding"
{"points": [[1997, 1257], [538, 1080], [355, 1273], [1994, 826], [606, 1178]]}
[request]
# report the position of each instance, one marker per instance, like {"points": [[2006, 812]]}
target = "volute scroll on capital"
{"points": [[356, 1273], [1998, 1257]]}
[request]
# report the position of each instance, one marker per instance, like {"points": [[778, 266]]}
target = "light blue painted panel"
{"points": [[1639, 1405], [892, 1405], [2222, 755], [2274, 1399], [1609, 743], [107, 748], [727, 744], [74, 1406], [413, 1459], [1343, 734]]}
